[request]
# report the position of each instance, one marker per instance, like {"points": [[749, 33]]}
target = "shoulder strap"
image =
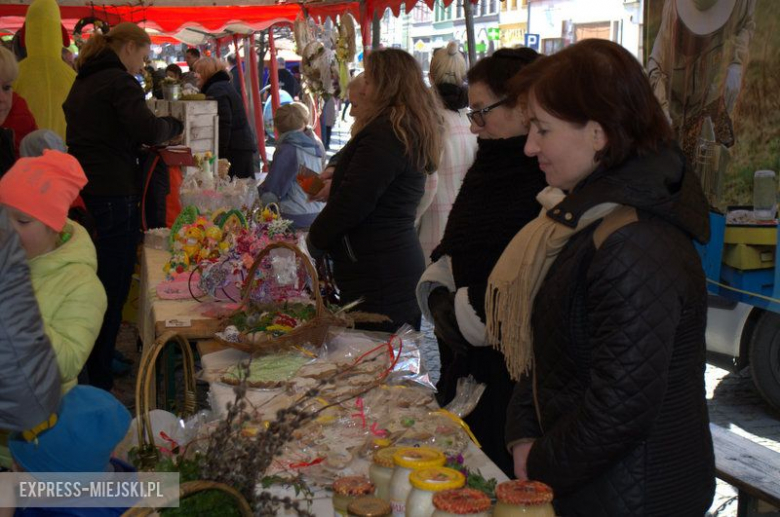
{"points": [[612, 222]]}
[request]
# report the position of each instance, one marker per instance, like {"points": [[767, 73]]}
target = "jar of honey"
{"points": [[523, 499]]}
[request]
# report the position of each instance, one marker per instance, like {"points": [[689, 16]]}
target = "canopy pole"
{"points": [[274, 73], [240, 67], [216, 48], [470, 38], [365, 28], [257, 103]]}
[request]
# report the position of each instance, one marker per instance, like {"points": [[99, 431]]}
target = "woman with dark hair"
{"points": [[603, 322], [368, 224], [496, 199], [236, 139]]}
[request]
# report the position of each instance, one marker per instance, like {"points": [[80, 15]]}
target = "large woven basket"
{"points": [[313, 331], [193, 487], [145, 400]]}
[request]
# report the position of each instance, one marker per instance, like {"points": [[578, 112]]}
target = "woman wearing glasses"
{"points": [[497, 198], [367, 226]]}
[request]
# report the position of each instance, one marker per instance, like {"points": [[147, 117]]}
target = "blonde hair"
{"points": [[400, 94], [117, 37], [291, 117], [9, 68], [206, 67], [448, 65]]}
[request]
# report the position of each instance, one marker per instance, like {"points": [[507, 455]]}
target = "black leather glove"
{"points": [[441, 303]]}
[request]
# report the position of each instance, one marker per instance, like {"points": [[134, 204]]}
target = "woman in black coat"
{"points": [[606, 326], [236, 140], [367, 226], [497, 198], [108, 121]]}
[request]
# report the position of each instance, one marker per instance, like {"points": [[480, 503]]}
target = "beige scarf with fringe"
{"points": [[519, 273]]}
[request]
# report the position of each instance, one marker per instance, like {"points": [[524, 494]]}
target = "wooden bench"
{"points": [[752, 469]]}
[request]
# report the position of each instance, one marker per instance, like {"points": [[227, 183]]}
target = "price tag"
{"points": [[178, 323]]}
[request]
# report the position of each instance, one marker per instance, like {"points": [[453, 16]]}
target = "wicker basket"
{"points": [[313, 331], [194, 487], [147, 452]]}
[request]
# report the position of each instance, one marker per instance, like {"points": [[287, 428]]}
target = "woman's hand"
{"points": [[520, 454], [326, 176]]}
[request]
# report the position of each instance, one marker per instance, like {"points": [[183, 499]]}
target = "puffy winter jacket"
{"points": [[29, 381], [235, 133], [72, 300], [620, 354], [108, 120]]}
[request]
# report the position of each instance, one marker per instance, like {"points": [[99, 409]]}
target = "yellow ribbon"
{"points": [[455, 418], [33, 433]]}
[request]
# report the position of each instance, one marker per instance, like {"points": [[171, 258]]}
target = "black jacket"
{"points": [[234, 130], [368, 224], [620, 353], [108, 120], [7, 155]]}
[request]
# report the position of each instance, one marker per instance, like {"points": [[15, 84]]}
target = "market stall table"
{"points": [[155, 315], [212, 352]]}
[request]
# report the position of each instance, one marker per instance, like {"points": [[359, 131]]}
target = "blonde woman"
{"points": [[236, 139], [367, 226], [107, 121], [8, 72], [448, 80]]}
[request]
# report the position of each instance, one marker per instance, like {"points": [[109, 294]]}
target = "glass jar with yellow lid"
{"points": [[368, 506], [381, 471], [466, 502], [407, 460], [523, 499], [346, 489], [425, 483]]}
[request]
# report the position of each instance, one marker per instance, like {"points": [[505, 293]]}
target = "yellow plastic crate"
{"points": [[763, 235], [748, 256]]}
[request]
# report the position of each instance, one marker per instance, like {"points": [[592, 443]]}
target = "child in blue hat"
{"points": [[90, 424]]}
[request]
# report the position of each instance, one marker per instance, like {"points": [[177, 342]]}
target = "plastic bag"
{"points": [[467, 395]]}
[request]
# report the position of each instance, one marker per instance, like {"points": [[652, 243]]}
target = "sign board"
{"points": [[494, 34], [532, 41], [420, 46]]}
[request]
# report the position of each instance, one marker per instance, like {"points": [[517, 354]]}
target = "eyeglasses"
{"points": [[478, 116]]}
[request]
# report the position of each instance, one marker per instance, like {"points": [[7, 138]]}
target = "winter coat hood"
{"points": [[302, 141], [660, 183], [103, 61], [216, 78], [77, 250]]}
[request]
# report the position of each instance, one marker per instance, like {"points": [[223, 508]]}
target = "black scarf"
{"points": [[497, 198], [453, 96]]}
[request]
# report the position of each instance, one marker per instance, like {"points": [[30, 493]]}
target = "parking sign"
{"points": [[532, 41]]}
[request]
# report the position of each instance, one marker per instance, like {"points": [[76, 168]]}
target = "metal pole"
{"points": [[258, 106], [240, 67], [470, 39], [365, 28], [376, 30], [216, 48], [528, 21], [275, 102]]}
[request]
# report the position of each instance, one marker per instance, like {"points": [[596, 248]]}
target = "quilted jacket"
{"points": [[620, 420]]}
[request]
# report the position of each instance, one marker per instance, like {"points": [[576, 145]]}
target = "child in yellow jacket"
{"points": [[62, 259]]}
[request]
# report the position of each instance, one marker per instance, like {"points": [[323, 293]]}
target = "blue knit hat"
{"points": [[91, 423]]}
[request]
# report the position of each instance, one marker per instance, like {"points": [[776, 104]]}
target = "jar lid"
{"points": [[527, 493], [435, 479], [369, 507], [384, 457], [462, 501], [418, 457], [353, 485]]}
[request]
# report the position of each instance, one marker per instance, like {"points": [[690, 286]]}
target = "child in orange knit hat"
{"points": [[62, 259]]}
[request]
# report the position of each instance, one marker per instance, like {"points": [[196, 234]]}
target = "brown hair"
{"points": [[116, 38], [600, 81], [206, 67], [291, 117], [413, 109], [496, 70]]}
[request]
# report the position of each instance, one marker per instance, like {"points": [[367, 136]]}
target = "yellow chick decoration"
{"points": [[44, 78]]}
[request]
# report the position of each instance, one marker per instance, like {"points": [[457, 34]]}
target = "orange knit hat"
{"points": [[43, 187]]}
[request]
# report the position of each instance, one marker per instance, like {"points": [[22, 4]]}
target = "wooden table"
{"points": [[322, 504], [156, 316]]}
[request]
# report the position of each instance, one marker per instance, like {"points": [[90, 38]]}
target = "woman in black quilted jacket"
{"points": [[236, 140], [610, 406]]}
